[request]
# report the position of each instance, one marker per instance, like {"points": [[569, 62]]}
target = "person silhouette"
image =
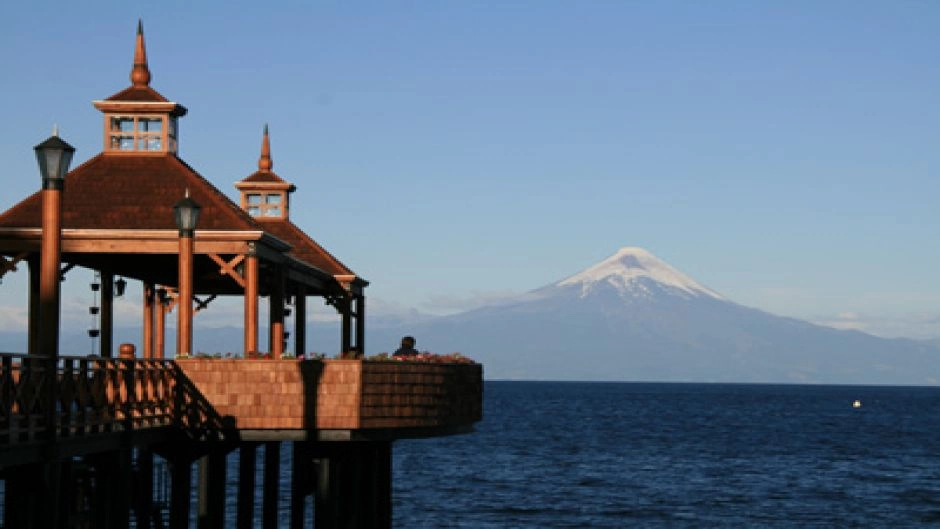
{"points": [[407, 347]]}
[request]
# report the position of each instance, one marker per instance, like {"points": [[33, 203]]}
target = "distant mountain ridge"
{"points": [[634, 317]]}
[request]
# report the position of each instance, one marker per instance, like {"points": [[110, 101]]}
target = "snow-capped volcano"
{"points": [[630, 271], [634, 317]]}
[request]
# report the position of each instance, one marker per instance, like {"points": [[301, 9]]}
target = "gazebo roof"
{"points": [[117, 207], [133, 193]]}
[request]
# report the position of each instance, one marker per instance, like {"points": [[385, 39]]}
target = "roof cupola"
{"points": [[265, 195], [138, 120]]}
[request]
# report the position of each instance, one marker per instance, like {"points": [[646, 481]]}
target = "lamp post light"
{"points": [[186, 212], [54, 156]]}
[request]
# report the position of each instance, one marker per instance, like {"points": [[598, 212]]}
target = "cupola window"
{"points": [[141, 133], [265, 204]]}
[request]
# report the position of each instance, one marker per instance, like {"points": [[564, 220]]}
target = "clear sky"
{"points": [[785, 154]]}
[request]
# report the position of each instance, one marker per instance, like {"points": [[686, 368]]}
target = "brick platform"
{"points": [[339, 394]]}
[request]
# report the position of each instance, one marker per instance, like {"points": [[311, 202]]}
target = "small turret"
{"points": [[138, 120], [264, 195]]}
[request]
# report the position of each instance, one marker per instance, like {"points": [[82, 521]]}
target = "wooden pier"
{"points": [[92, 465], [84, 440]]}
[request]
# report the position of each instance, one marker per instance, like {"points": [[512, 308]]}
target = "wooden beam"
{"points": [[228, 267]]}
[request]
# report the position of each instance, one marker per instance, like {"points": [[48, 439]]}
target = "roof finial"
{"points": [[265, 163], [55, 130], [140, 73]]}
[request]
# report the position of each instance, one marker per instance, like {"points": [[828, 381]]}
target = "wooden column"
{"points": [[159, 342], [247, 454], [361, 324], [50, 259], [272, 476], [106, 339], [33, 343], [353, 485], [211, 510], [346, 312], [300, 483], [143, 489], [184, 325], [325, 512], [251, 302], [150, 303], [112, 495], [276, 315], [180, 490], [300, 322], [382, 479]]}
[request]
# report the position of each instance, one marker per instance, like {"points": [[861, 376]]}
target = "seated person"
{"points": [[407, 347]]}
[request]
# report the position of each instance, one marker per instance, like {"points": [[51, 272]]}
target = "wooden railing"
{"points": [[96, 396]]}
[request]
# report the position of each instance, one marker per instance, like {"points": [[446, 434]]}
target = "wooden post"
{"points": [[383, 481], [150, 303], [272, 476], [325, 508], [180, 490], [212, 491], [50, 259], [143, 503], [300, 322], [346, 311], [33, 344], [247, 453], [184, 326], [361, 323], [276, 315], [251, 301], [106, 338], [300, 478], [159, 343]]}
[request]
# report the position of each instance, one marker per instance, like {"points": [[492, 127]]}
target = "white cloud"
{"points": [[448, 304], [919, 326], [13, 318]]}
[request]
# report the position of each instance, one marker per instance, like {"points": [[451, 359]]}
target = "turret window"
{"points": [[265, 204], [140, 133]]}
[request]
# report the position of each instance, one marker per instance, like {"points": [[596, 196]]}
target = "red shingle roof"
{"points": [[133, 192], [303, 247], [139, 94], [265, 177]]}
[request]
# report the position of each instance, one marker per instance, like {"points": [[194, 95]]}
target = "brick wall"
{"points": [[339, 394]]}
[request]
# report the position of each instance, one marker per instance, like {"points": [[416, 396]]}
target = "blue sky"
{"points": [[784, 154]]}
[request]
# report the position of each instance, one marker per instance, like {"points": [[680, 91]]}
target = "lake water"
{"points": [[578, 455], [680, 455]]}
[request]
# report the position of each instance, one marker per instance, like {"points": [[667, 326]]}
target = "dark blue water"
{"points": [[680, 455]]}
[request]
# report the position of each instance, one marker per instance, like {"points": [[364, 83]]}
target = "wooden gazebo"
{"points": [[117, 219]]}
